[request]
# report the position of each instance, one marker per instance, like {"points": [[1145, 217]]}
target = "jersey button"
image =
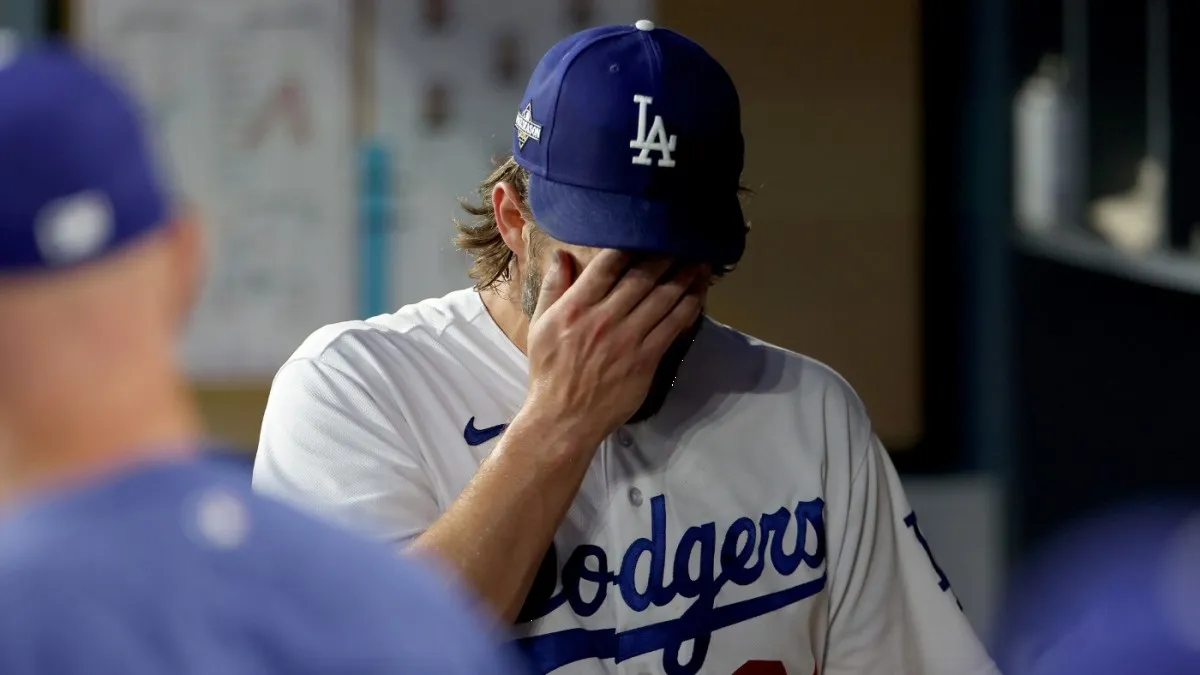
{"points": [[635, 496], [624, 438]]}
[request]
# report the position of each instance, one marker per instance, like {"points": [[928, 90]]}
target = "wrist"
{"points": [[550, 437]]}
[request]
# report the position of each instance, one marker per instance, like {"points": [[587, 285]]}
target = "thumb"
{"points": [[555, 282]]}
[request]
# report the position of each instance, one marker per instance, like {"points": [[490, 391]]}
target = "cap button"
{"points": [[644, 24]]}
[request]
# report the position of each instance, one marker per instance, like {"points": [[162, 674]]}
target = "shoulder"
{"points": [[352, 345], [386, 355], [323, 560], [758, 368], [750, 386], [360, 594], [203, 523], [302, 587]]}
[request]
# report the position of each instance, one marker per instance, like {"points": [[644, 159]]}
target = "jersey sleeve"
{"points": [[892, 610], [331, 446]]}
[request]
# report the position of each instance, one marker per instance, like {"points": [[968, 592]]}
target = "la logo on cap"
{"points": [[74, 228], [656, 139], [526, 127]]}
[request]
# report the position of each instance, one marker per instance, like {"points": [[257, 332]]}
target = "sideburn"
{"points": [[531, 287], [531, 281]]}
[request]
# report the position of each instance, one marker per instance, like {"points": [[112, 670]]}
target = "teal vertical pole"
{"points": [[986, 219], [376, 213]]}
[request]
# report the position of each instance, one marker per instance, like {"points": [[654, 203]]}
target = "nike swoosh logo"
{"points": [[475, 436]]}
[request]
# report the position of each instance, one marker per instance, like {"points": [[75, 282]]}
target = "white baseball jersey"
{"points": [[755, 525]]}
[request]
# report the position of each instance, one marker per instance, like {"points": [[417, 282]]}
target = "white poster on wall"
{"points": [[251, 106], [449, 75]]}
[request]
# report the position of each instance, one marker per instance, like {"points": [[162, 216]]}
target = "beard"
{"points": [[668, 367]]}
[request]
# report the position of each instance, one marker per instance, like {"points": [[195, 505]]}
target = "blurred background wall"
{"points": [[833, 138], [979, 212]]}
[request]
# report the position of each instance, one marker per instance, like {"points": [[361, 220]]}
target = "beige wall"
{"points": [[234, 414], [830, 98], [830, 94]]}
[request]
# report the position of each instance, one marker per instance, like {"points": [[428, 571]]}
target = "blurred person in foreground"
{"points": [[123, 548], [630, 509], [1116, 593]]}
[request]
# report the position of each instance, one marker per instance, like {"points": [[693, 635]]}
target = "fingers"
{"points": [[634, 287], [599, 277], [681, 316], [555, 281], [650, 302], [660, 298]]}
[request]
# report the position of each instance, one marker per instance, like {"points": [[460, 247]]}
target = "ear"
{"points": [[510, 218]]}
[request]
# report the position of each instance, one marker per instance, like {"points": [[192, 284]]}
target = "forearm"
{"points": [[497, 532]]}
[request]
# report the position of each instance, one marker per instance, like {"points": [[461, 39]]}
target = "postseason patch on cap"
{"points": [[77, 178], [527, 128]]}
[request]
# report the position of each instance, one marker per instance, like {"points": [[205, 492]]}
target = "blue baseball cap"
{"points": [[77, 177], [632, 137]]}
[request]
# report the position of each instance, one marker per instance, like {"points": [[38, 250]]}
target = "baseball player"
{"points": [[638, 487], [122, 548]]}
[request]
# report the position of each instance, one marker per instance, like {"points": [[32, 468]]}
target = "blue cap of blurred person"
{"points": [[78, 179]]}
